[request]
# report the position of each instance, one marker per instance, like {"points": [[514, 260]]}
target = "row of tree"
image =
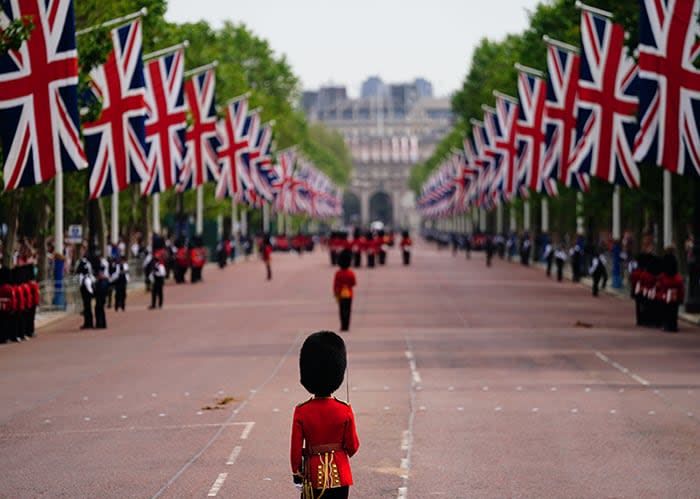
{"points": [[246, 64], [492, 68]]}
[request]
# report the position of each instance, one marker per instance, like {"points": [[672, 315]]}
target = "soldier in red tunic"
{"points": [[343, 282], [671, 292], [324, 436]]}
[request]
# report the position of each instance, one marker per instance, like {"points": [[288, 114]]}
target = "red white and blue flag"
{"points": [[263, 172], [165, 122], [247, 193], [201, 139], [607, 103], [233, 132], [560, 117], [506, 145], [286, 161], [530, 134], [669, 85], [39, 123], [115, 143], [494, 178]]}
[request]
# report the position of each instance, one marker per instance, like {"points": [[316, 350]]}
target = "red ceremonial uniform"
{"points": [[405, 242], [267, 253], [198, 257], [670, 289], [324, 437], [8, 300], [343, 282]]}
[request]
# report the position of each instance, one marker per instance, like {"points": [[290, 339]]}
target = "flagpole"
{"points": [[266, 218], [201, 69], [199, 220], [499, 219], [234, 225], [526, 216], [513, 221], [166, 51], [112, 22], [244, 222], [668, 211], [579, 213], [156, 212], [616, 235], [545, 215], [59, 298], [114, 234], [561, 45]]}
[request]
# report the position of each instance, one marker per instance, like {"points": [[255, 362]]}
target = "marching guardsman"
{"points": [[324, 436], [120, 279], [101, 286], [86, 280], [267, 256], [672, 291], [405, 244], [8, 308], [383, 245], [489, 250], [198, 257], [598, 271], [157, 277], [560, 260], [357, 245], [182, 262], [343, 282]]}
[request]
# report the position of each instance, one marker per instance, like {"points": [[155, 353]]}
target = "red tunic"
{"points": [[267, 253], [343, 282], [671, 288], [324, 430]]}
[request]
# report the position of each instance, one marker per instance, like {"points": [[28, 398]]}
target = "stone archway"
{"points": [[381, 208], [351, 209]]}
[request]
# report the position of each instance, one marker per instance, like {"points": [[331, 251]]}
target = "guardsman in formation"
{"points": [[468, 245], [671, 292], [87, 288], [560, 260], [382, 246], [406, 244], [198, 257], [525, 249], [266, 251], [324, 436], [182, 262], [371, 249], [101, 287], [221, 255], [343, 282], [576, 253], [357, 247], [120, 279], [7, 303], [157, 278], [598, 271]]}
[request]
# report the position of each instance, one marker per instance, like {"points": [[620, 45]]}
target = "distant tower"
{"points": [[423, 87], [373, 87]]}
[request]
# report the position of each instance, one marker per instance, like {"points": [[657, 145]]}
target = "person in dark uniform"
{"points": [[182, 262], [157, 281], [468, 245], [267, 256], [576, 253], [548, 255], [343, 282], [598, 271], [371, 249], [324, 436], [87, 281], [101, 285], [6, 305], [525, 249], [357, 245], [560, 259], [489, 250], [671, 291], [406, 244], [120, 279]]}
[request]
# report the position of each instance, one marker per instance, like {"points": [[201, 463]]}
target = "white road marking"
{"points": [[246, 431], [498, 409], [460, 408], [387, 408], [613, 411], [47, 421], [85, 398], [407, 435], [120, 397], [574, 410], [587, 390], [217, 485], [403, 493], [519, 388], [622, 369], [124, 416], [275, 410], [86, 418], [485, 388], [553, 389], [651, 413], [234, 455], [405, 440], [535, 409], [162, 415], [154, 395]]}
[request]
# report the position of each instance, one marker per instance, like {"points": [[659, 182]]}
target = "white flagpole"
{"points": [[482, 219], [513, 221], [112, 22], [199, 220], [59, 297], [114, 235], [545, 215], [616, 232], [244, 221], [156, 212], [526, 215], [266, 218], [499, 219], [234, 225], [668, 210]]}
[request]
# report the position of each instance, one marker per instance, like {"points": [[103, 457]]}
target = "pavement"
{"points": [[466, 382]]}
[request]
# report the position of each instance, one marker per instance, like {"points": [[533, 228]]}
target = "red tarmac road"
{"points": [[466, 382]]}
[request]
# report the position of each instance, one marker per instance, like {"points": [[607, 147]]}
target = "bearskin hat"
{"points": [[345, 258], [322, 363]]}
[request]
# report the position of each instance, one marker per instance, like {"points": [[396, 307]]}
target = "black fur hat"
{"points": [[322, 363], [345, 258]]}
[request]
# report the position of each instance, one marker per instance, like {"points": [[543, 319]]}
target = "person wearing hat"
{"points": [[324, 435], [86, 280], [343, 282]]}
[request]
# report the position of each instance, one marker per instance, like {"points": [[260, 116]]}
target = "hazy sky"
{"points": [[344, 42]]}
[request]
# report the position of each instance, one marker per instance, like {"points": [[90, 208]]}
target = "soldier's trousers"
{"points": [[345, 306], [119, 295], [87, 308], [338, 493]]}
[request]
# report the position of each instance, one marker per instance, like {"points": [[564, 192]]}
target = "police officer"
{"points": [[548, 255], [120, 279], [598, 271], [157, 281], [560, 259], [86, 280], [101, 288]]}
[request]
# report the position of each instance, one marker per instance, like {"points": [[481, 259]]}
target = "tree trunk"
{"points": [[12, 221]]}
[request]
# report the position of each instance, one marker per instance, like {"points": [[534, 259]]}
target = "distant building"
{"points": [[387, 132]]}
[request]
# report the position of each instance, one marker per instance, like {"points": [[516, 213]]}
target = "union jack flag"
{"points": [[285, 167], [165, 122], [115, 143], [473, 166], [607, 102], [494, 179], [233, 131], [264, 174], [530, 133], [246, 187], [506, 144], [201, 162], [560, 117], [39, 124], [483, 161], [669, 132]]}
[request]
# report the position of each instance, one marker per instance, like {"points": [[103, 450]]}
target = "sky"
{"points": [[342, 42]]}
